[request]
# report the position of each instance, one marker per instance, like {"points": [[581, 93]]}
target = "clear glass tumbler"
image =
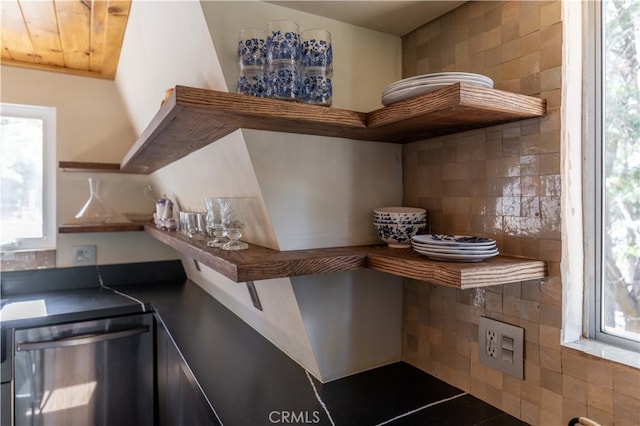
{"points": [[215, 229], [234, 212]]}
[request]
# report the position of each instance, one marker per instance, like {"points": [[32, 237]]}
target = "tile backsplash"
{"points": [[503, 182]]}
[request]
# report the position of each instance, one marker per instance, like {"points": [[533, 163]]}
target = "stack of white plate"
{"points": [[421, 84], [454, 248]]}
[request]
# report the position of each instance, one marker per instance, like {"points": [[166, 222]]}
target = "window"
{"points": [[613, 167], [27, 177]]}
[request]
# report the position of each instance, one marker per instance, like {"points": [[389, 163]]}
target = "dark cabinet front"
{"points": [[180, 400]]}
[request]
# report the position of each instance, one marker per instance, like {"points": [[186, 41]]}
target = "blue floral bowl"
{"points": [[399, 236]]}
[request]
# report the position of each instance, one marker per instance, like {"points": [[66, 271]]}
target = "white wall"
{"points": [[91, 126]]}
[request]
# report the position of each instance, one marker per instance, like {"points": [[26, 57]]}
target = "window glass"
{"points": [[27, 187], [618, 181]]}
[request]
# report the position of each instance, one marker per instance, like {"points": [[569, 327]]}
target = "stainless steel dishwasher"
{"points": [[97, 373]]}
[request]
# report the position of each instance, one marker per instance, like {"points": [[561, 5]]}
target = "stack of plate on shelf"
{"points": [[421, 84], [454, 248]]}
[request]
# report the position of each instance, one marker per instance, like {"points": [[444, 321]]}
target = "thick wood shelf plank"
{"points": [[452, 109], [192, 118], [495, 271], [259, 263], [81, 166], [102, 227]]}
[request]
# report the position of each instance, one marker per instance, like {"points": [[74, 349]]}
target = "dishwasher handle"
{"points": [[81, 339]]}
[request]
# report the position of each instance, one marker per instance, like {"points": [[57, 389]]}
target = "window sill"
{"points": [[607, 352]]}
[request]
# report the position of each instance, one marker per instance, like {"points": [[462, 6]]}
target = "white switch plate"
{"points": [[84, 255], [501, 346]]}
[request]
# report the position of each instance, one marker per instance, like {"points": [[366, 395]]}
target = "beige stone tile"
{"points": [[494, 378], [600, 398], [549, 418], [510, 11], [511, 404], [531, 373], [600, 372], [626, 410], [530, 412], [599, 416], [572, 408], [510, 31], [463, 381], [626, 380], [550, 292], [551, 35], [551, 79], [574, 389], [492, 38], [550, 57], [529, 64], [530, 310], [550, 315], [551, 401], [551, 358], [529, 22], [550, 13], [549, 336], [551, 381], [493, 396]]}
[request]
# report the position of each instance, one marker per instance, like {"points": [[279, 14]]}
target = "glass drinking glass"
{"points": [[283, 41], [283, 80], [316, 49], [233, 211], [190, 224], [214, 223], [251, 47]]}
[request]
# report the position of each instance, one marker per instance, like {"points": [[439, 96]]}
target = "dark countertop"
{"points": [[245, 378]]}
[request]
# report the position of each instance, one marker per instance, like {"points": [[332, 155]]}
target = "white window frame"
{"points": [[594, 186], [48, 117], [577, 305]]}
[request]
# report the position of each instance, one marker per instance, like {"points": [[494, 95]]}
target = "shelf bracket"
{"points": [[253, 292]]}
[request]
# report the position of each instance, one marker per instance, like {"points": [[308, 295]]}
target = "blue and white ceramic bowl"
{"points": [[396, 225], [399, 236]]}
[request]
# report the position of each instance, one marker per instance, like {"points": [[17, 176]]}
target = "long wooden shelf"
{"points": [[81, 166], [102, 227], [464, 275], [260, 263], [192, 118]]}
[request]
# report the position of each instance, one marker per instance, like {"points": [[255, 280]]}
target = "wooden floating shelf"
{"points": [[80, 166], [464, 275], [260, 263], [192, 118], [102, 227]]}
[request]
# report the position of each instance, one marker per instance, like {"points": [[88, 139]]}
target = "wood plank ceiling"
{"points": [[80, 37]]}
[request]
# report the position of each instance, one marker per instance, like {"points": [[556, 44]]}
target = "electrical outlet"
{"points": [[84, 255], [501, 346], [491, 343]]}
